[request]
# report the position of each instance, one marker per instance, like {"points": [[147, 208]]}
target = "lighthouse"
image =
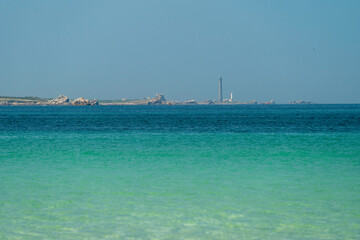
{"points": [[220, 89]]}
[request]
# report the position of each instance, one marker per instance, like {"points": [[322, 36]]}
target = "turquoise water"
{"points": [[180, 172]]}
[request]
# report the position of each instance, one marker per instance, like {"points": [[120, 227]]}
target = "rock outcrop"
{"points": [[301, 102], [60, 100], [64, 100], [157, 100], [191, 102], [84, 102], [94, 102]]}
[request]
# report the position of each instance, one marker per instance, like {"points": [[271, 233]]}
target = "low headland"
{"points": [[159, 99]]}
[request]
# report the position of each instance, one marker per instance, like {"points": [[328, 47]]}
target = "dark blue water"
{"points": [[238, 119]]}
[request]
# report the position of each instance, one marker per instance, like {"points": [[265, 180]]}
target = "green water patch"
{"points": [[179, 185]]}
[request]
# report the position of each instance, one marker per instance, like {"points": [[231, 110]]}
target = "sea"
{"points": [[180, 172]]}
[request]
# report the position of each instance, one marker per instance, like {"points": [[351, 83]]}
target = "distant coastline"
{"points": [[159, 99]]}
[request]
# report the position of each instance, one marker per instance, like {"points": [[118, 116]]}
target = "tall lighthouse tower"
{"points": [[220, 89]]}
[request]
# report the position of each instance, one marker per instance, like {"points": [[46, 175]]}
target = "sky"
{"points": [[281, 50]]}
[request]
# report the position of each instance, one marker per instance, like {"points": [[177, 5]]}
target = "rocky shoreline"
{"points": [[159, 99], [61, 100], [64, 100]]}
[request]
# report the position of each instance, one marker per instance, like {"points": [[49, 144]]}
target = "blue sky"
{"points": [[282, 50]]}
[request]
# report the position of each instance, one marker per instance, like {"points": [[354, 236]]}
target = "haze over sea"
{"points": [[180, 172]]}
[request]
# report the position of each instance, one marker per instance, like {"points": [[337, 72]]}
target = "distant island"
{"points": [[159, 99]]}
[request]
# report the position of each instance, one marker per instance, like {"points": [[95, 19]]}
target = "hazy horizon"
{"points": [[264, 50]]}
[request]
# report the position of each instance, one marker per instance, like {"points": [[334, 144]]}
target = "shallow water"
{"points": [[180, 172]]}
